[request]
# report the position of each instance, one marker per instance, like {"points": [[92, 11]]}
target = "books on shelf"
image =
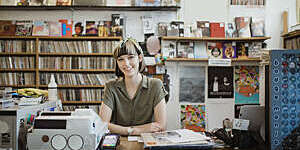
{"points": [[242, 50], [147, 2], [119, 3], [36, 2], [204, 28], [254, 50]]}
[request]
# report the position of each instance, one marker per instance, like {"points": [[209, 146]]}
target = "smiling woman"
{"points": [[132, 101]]}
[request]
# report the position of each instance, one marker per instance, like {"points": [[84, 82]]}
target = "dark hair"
{"points": [[131, 47]]}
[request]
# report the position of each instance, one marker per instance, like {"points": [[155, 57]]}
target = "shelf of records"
{"points": [[82, 105], [58, 64], [74, 46], [63, 80], [189, 50], [100, 4]]}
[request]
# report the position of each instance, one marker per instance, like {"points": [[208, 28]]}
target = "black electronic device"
{"points": [[109, 142]]}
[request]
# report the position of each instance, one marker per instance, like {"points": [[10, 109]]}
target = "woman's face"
{"points": [[129, 64]]}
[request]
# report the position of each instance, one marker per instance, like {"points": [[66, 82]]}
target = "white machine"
{"points": [[12, 117], [78, 130]]}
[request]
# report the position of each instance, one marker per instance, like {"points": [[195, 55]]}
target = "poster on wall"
{"points": [[193, 117], [192, 84], [246, 85], [220, 82]]}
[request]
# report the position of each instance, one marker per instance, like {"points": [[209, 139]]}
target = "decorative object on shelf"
{"points": [[52, 89]]}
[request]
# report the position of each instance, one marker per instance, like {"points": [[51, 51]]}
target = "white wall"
{"points": [[219, 10]]}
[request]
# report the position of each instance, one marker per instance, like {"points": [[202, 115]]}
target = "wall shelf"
{"points": [[206, 60], [213, 38], [78, 70], [76, 54], [99, 8], [17, 70]]}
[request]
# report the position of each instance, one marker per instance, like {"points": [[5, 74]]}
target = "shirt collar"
{"points": [[145, 82]]}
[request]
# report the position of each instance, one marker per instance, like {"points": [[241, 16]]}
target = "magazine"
{"points": [[178, 137]]}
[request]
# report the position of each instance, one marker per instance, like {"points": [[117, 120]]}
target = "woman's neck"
{"points": [[133, 81]]}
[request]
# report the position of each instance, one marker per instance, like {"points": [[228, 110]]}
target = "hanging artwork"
{"points": [[193, 117], [192, 84], [246, 85], [220, 82]]}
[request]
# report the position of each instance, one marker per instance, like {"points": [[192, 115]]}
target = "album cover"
{"points": [[220, 82], [8, 2], [63, 2], [254, 49], [257, 27], [193, 117], [22, 2], [78, 28], [24, 27], [91, 28], [66, 27], [168, 49], [204, 27], [230, 30], [7, 27], [36, 2], [55, 28], [217, 29], [185, 49], [192, 84], [243, 26], [40, 28], [229, 50], [214, 50], [246, 85], [162, 28], [242, 50]]}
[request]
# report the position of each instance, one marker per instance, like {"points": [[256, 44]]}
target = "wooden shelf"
{"points": [[206, 59], [291, 34], [75, 86], [81, 102], [106, 8], [78, 70], [19, 86], [76, 54], [213, 38], [17, 54], [61, 38], [17, 70]]}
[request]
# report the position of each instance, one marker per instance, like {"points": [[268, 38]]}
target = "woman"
{"points": [[132, 101]]}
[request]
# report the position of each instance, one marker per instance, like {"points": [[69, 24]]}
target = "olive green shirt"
{"points": [[136, 111]]}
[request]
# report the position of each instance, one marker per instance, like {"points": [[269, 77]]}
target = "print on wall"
{"points": [[193, 117], [192, 83], [220, 82], [246, 85]]}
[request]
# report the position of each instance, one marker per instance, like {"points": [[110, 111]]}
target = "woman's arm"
{"points": [[160, 120], [105, 114]]}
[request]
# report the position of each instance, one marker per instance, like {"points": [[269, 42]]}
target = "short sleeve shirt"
{"points": [[136, 111]]}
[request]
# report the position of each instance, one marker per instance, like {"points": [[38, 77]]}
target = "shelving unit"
{"points": [[98, 8], [291, 40], [37, 71]]}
